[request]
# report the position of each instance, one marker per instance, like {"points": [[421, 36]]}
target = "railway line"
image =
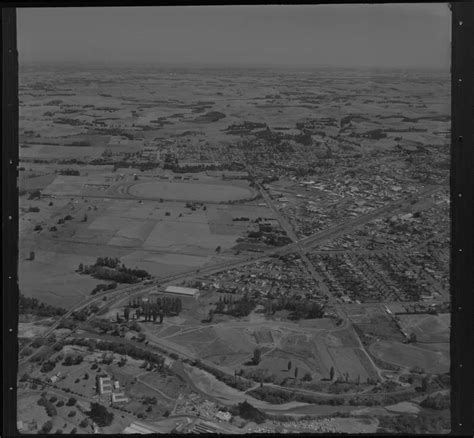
{"points": [[298, 245]]}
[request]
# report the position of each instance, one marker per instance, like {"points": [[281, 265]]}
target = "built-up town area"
{"points": [[199, 254]]}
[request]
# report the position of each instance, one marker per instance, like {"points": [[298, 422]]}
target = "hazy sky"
{"points": [[401, 35]]}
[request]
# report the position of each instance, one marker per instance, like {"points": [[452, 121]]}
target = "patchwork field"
{"points": [[163, 237]]}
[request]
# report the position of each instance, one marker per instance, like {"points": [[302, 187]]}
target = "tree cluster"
{"points": [[437, 401], [100, 415], [49, 407], [34, 307], [73, 360], [248, 412], [163, 306], [103, 287], [109, 268], [300, 307], [121, 348], [238, 308]]}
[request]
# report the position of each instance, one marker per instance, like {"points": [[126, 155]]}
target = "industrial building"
{"points": [[186, 291]]}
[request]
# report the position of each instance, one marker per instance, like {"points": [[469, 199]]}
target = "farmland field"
{"points": [[189, 191], [161, 237]]}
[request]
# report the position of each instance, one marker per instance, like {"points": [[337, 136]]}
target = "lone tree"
{"points": [[257, 355], [32, 255], [332, 373], [71, 402], [210, 315], [289, 365], [296, 372], [425, 384]]}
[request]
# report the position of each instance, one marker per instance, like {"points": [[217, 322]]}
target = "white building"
{"points": [[119, 397], [105, 385], [178, 290]]}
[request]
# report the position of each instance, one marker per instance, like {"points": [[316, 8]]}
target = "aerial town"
{"points": [[200, 255]]}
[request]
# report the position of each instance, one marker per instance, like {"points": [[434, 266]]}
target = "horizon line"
{"points": [[246, 65]]}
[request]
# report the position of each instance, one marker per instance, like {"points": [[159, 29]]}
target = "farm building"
{"points": [[178, 290]]}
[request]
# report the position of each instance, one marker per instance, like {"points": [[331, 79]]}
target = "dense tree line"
{"points": [[81, 143], [120, 348], [187, 168], [73, 172], [163, 306], [104, 287], [34, 307]]}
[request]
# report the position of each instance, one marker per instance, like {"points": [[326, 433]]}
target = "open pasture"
{"points": [[188, 236], [37, 182], [28, 409], [346, 360], [276, 363], [427, 328], [409, 356], [209, 342], [51, 278], [189, 191], [65, 185], [168, 384]]}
